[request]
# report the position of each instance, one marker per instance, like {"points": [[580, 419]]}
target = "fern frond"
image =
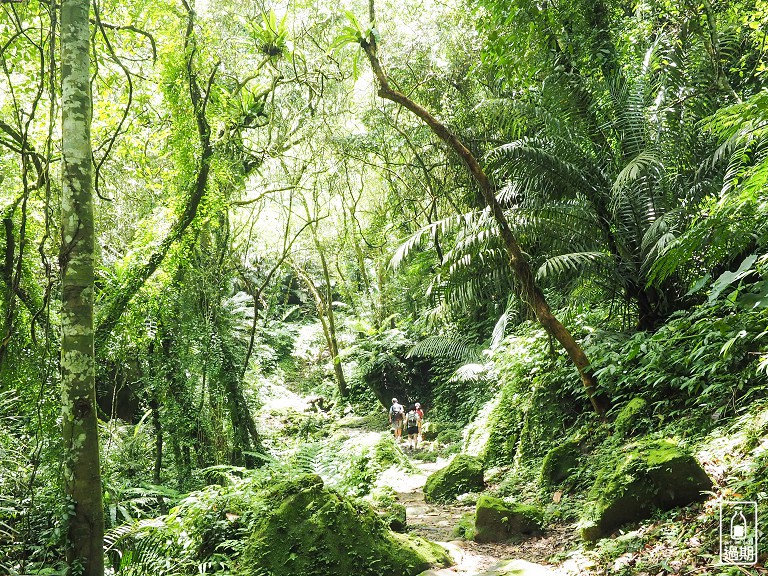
{"points": [[443, 226], [573, 263], [646, 164], [446, 347], [473, 372]]}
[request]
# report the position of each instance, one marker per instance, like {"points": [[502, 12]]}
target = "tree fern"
{"points": [[637, 173], [736, 213]]}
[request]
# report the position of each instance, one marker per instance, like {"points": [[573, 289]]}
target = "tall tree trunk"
{"points": [[333, 342], [329, 329], [530, 290], [9, 296], [82, 476]]}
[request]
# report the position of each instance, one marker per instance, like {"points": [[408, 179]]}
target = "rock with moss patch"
{"points": [[498, 521], [559, 462], [651, 475], [314, 531], [384, 502], [465, 527], [394, 515], [464, 474], [627, 420]]}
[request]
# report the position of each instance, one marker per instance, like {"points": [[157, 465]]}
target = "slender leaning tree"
{"points": [[81, 440], [531, 292]]}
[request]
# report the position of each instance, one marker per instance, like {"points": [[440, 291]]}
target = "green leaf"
{"points": [[727, 278], [353, 19], [700, 283]]}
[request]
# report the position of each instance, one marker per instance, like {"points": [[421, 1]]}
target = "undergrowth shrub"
{"points": [[33, 514], [459, 394], [351, 465], [700, 357], [204, 533]]}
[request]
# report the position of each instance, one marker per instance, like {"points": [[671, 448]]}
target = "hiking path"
{"points": [[436, 522]]}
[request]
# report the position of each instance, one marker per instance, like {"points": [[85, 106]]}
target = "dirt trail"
{"points": [[436, 522]]}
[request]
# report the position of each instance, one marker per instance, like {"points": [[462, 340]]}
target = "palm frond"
{"points": [[500, 327], [473, 372], [443, 226], [645, 165], [552, 173]]}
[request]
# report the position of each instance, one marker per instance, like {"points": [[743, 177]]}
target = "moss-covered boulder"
{"points": [[651, 475], [498, 521], [463, 474], [628, 418], [313, 531], [465, 527], [384, 502], [559, 462], [394, 516]]}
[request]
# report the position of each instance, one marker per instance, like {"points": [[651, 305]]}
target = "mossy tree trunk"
{"points": [[519, 264], [82, 479], [111, 312], [245, 435]]}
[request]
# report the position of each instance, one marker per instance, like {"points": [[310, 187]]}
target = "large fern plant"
{"points": [[733, 222], [598, 179], [628, 165]]}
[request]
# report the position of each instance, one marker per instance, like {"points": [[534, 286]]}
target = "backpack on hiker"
{"points": [[413, 419]]}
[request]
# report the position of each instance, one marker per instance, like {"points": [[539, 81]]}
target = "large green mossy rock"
{"points": [[498, 521], [385, 504], [655, 475], [394, 516], [629, 417], [559, 463], [313, 531], [464, 474]]}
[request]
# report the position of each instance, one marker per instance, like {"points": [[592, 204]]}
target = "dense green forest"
{"points": [[233, 232]]}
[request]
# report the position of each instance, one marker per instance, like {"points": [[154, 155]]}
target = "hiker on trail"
{"points": [[420, 413], [396, 417], [412, 428]]}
